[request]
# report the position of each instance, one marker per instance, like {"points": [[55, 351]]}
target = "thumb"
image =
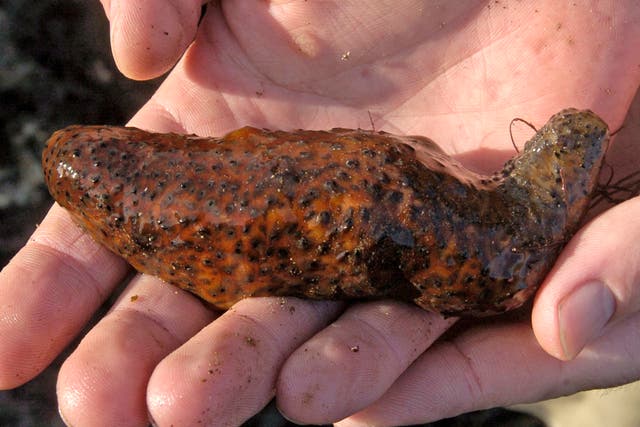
{"points": [[594, 283], [149, 36]]}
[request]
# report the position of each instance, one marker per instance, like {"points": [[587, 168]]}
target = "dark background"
{"points": [[55, 70]]}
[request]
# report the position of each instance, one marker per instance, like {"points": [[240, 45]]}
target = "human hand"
{"points": [[296, 65]]}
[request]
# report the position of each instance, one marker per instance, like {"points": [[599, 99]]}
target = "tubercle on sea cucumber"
{"points": [[339, 214]]}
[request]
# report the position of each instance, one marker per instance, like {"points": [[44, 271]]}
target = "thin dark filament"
{"points": [[518, 119], [617, 130], [618, 191], [558, 244], [373, 126]]}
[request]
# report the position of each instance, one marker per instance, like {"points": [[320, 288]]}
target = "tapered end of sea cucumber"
{"points": [[63, 159]]}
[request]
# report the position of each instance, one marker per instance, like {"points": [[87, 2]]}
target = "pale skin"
{"points": [[455, 72]]}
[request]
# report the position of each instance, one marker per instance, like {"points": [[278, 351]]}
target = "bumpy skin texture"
{"points": [[341, 214]]}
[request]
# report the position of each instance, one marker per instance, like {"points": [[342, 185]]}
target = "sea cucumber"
{"points": [[339, 214]]}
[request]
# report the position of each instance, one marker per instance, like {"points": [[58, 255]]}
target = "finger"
{"points": [[48, 292], [594, 283], [104, 381], [499, 366], [227, 372], [149, 36], [350, 364]]}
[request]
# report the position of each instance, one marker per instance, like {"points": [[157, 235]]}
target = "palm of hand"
{"points": [[449, 74]]}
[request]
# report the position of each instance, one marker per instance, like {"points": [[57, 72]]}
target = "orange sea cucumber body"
{"points": [[340, 214]]}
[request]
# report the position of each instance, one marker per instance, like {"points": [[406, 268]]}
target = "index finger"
{"points": [[48, 291]]}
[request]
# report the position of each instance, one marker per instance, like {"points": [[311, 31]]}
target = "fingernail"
{"points": [[582, 315]]}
